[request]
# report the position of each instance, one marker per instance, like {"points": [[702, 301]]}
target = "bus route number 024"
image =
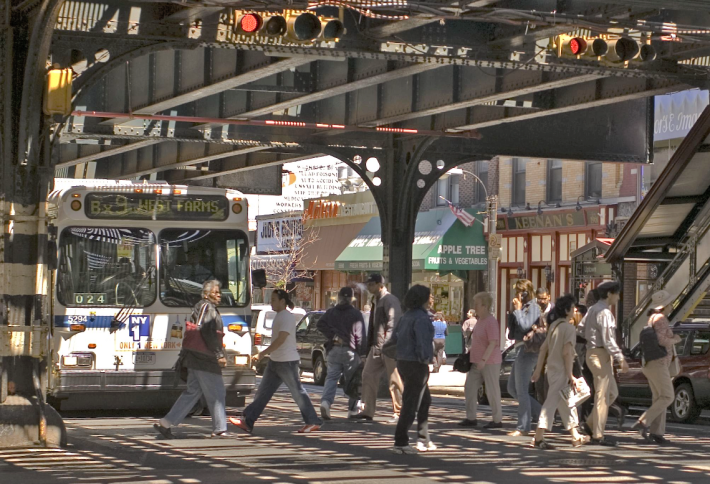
{"points": [[89, 298]]}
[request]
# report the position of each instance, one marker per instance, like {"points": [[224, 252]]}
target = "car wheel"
{"points": [[482, 397], [684, 408], [319, 371]]}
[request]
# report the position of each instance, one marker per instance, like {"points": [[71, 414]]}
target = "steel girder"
{"points": [[435, 83]]}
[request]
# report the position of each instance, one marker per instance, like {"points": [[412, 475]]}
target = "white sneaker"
{"points": [[394, 419], [407, 449], [352, 413], [325, 410], [424, 446]]}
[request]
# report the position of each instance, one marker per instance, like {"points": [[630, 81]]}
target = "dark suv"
{"points": [[692, 386], [310, 343]]}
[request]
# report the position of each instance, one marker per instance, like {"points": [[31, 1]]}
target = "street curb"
{"points": [[458, 391]]}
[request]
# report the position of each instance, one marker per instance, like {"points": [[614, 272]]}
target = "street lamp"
{"points": [[493, 239], [549, 274]]}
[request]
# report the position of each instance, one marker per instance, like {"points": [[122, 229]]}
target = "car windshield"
{"points": [[188, 258], [269, 319], [106, 267], [680, 346]]}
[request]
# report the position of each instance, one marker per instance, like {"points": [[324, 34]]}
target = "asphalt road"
{"points": [[107, 449]]}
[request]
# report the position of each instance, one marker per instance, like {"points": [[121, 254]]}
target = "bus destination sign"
{"points": [[147, 206]]}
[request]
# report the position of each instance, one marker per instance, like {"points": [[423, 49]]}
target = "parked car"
{"points": [[692, 386], [311, 346], [509, 356], [262, 318]]}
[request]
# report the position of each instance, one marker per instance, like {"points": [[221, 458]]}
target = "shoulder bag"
{"points": [[193, 339], [651, 349]]}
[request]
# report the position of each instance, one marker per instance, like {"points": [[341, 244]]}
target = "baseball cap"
{"points": [[376, 278], [346, 292]]}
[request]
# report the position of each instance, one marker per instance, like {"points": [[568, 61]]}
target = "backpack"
{"points": [[650, 347]]}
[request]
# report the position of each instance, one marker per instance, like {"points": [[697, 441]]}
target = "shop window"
{"points": [[482, 172], [519, 181], [448, 188], [593, 180], [554, 180]]}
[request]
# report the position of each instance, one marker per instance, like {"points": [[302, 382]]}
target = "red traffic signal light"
{"points": [[250, 23], [578, 46]]}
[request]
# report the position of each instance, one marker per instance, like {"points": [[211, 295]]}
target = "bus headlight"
{"points": [[237, 208], [80, 360], [241, 360], [76, 205]]}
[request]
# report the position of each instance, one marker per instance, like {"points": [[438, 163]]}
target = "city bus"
{"points": [[131, 262]]}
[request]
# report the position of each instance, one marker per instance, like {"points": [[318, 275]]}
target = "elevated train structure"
{"points": [[221, 93]]}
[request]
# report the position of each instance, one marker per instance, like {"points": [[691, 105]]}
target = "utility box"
{"points": [[57, 99]]}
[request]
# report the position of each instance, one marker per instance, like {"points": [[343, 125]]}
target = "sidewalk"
{"points": [[447, 381]]}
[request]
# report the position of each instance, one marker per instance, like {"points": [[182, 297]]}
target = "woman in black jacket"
{"points": [[204, 367]]}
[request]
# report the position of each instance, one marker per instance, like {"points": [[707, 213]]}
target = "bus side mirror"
{"points": [[52, 262], [258, 278]]}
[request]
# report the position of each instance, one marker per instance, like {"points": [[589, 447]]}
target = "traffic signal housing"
{"points": [[299, 26], [612, 50]]}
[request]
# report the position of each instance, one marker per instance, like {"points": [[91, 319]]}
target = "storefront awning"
{"points": [[441, 243], [328, 242]]}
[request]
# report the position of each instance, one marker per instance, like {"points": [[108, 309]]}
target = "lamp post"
{"points": [[494, 241]]}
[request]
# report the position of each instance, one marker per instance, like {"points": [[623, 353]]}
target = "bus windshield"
{"points": [[189, 257], [106, 267]]}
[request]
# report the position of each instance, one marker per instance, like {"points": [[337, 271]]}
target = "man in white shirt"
{"points": [[282, 368], [599, 326]]}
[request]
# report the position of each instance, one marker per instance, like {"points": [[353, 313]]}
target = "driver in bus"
{"points": [[193, 271]]}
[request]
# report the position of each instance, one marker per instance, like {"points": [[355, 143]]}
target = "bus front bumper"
{"points": [[72, 382]]}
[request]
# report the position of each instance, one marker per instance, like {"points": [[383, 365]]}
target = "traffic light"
{"points": [[298, 26], [57, 98], [613, 50]]}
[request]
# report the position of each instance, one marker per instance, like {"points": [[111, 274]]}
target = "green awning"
{"points": [[441, 243]]}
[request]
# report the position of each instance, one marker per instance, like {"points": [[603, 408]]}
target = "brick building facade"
{"points": [[578, 202]]}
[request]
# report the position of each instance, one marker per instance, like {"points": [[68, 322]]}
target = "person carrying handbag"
{"points": [[485, 357], [652, 424], [557, 352], [202, 355]]}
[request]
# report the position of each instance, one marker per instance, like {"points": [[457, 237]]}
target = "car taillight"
{"points": [[257, 339]]}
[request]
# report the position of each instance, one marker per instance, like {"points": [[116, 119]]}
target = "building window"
{"points": [[554, 180], [482, 172], [593, 180], [447, 187], [519, 181]]}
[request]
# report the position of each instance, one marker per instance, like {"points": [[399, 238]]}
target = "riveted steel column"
{"points": [[26, 175]]}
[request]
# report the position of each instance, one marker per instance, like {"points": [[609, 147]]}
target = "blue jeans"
{"points": [[201, 383], [276, 373], [341, 361], [518, 387]]}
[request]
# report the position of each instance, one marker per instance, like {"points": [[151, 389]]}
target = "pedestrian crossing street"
{"points": [[126, 450]]}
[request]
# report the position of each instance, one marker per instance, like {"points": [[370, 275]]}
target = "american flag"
{"points": [[466, 218]]}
